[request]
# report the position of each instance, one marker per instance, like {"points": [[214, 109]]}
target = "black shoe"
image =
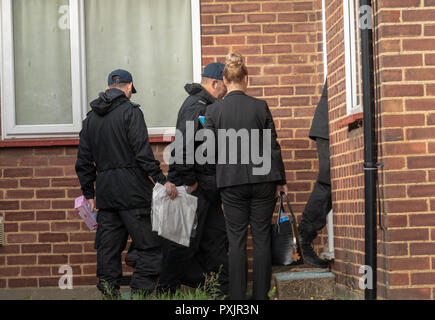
{"points": [[310, 256], [130, 258]]}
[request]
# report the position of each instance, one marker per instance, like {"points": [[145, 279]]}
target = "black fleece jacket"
{"points": [[193, 107], [115, 152]]}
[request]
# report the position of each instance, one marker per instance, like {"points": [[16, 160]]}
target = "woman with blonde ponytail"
{"points": [[248, 189]]}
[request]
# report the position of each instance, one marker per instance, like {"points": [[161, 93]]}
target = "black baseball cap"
{"points": [[214, 70], [124, 77]]}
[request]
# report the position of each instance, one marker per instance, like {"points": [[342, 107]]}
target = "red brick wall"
{"points": [[404, 51], [406, 82], [43, 232], [346, 150], [281, 41]]}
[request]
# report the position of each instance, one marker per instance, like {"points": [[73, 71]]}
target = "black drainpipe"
{"points": [[370, 153]]}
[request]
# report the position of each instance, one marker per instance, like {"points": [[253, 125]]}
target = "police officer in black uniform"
{"points": [[208, 248], [114, 151], [319, 203]]}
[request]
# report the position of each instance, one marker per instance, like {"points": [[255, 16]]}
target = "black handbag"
{"points": [[286, 249]]}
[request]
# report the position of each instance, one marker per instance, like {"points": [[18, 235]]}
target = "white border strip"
{"points": [[76, 63], [7, 70], [347, 54], [196, 40], [325, 47]]}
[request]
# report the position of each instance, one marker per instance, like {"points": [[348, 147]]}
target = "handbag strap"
{"points": [[280, 209], [295, 229], [283, 195]]}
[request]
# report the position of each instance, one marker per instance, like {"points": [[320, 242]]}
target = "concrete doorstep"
{"points": [[303, 282], [305, 285]]}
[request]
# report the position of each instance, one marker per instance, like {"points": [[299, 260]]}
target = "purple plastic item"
{"points": [[83, 209]]}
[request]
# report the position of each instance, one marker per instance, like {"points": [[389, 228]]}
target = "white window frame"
{"points": [[325, 43], [10, 130], [351, 60]]}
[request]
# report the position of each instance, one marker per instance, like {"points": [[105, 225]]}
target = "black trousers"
{"points": [[319, 204], [111, 239], [253, 205], [208, 250]]}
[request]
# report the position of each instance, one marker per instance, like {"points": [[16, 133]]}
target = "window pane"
{"points": [[150, 38], [42, 62]]}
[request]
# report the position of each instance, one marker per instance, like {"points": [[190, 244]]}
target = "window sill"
{"points": [[60, 142], [350, 119]]}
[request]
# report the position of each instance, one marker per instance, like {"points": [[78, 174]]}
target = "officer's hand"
{"points": [[171, 190], [91, 204], [280, 189], [192, 188]]}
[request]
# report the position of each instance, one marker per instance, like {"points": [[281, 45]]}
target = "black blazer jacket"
{"points": [[244, 163]]}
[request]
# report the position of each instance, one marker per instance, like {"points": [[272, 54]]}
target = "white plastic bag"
{"points": [[173, 219]]}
